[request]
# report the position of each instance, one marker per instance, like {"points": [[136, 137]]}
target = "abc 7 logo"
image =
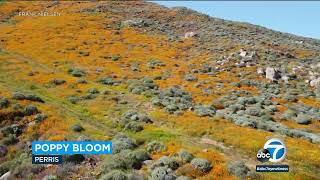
{"points": [[274, 151]]}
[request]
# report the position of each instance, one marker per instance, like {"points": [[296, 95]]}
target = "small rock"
{"points": [[6, 176], [315, 82], [272, 74], [190, 34], [260, 71]]}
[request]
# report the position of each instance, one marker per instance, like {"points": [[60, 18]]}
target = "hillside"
{"points": [[180, 94]]}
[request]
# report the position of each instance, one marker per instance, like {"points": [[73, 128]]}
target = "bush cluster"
{"points": [[77, 128], [185, 156], [76, 72], [121, 143], [4, 103], [156, 147], [134, 126], [58, 82], [173, 99], [40, 117], [153, 63], [201, 164], [190, 77], [115, 175], [203, 110], [144, 85], [240, 170], [109, 81], [20, 96], [163, 173], [167, 162], [126, 160], [134, 116]]}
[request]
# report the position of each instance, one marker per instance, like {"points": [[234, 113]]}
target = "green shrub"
{"points": [[143, 85], [136, 158], [76, 72], [247, 100], [236, 107], [201, 164], [84, 138], [254, 111], [289, 115], [303, 119], [4, 103], [236, 84], [125, 160], [184, 178], [290, 98], [30, 110], [162, 173], [93, 91], [173, 99], [115, 175], [202, 110], [271, 108], [123, 143], [153, 63], [88, 97], [17, 107], [77, 128], [50, 177], [166, 162], [74, 99], [115, 57], [134, 67], [23, 170], [190, 77], [82, 81], [266, 117], [58, 82], [115, 162], [13, 129], [134, 116], [84, 53], [40, 117], [34, 98], [18, 96], [64, 170], [108, 81], [156, 146], [240, 170], [185, 155], [133, 126]]}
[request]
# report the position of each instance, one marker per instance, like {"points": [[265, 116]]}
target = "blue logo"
{"points": [[71, 147], [277, 150]]}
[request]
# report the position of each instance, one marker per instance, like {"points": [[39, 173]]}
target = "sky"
{"points": [[295, 17]]}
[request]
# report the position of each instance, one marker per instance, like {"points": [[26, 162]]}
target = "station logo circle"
{"points": [[277, 150]]}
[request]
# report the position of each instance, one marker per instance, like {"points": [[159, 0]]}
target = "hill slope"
{"points": [[157, 82]]}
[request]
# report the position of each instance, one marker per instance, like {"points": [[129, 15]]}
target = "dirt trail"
{"points": [[230, 153]]}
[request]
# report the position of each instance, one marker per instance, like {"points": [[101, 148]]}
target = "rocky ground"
{"points": [[181, 95]]}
